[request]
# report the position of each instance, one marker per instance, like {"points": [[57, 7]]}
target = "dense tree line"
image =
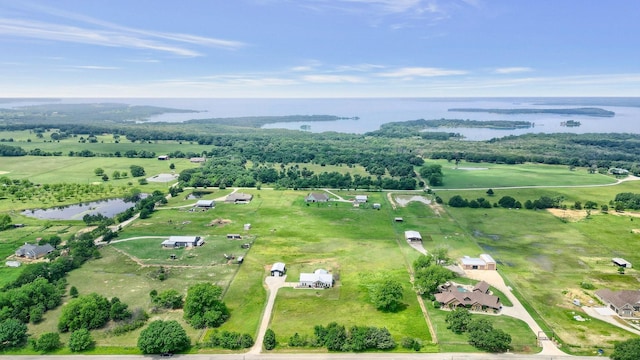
{"points": [[335, 337], [230, 340], [480, 331]]}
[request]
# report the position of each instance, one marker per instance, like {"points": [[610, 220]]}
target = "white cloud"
{"points": [[410, 72], [96, 67], [512, 70], [103, 33], [327, 79]]}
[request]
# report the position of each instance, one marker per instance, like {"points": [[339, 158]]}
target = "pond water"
{"points": [[108, 208]]}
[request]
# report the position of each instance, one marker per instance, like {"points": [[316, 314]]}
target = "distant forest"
{"points": [[390, 155]]}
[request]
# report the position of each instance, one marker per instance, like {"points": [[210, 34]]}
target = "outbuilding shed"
{"points": [[411, 235], [278, 269]]}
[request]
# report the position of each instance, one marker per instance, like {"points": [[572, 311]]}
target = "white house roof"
{"points": [[487, 258], [412, 234], [279, 266], [473, 261], [325, 278], [361, 197], [172, 240], [205, 203]]}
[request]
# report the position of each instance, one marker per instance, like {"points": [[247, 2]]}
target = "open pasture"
{"points": [[547, 259], [484, 175], [57, 169]]}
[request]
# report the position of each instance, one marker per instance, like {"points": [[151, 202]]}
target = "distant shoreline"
{"points": [[586, 111]]}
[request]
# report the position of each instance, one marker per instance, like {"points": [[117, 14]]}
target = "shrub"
{"points": [[80, 340]]}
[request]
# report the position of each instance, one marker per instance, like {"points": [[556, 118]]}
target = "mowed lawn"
{"points": [[483, 175], [358, 245]]}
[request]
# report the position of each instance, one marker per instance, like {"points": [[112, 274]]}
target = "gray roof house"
{"points": [[316, 197], [238, 198], [31, 251], [624, 302], [205, 203]]}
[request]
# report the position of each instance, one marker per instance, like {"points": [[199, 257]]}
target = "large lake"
{"points": [[373, 112]]}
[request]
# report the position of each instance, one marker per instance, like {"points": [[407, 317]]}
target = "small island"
{"points": [[586, 111], [570, 123]]}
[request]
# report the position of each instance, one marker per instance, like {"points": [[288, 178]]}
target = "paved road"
{"points": [[324, 356]]}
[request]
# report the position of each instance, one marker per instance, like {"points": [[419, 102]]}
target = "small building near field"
{"points": [[398, 219], [621, 263], [376, 206], [278, 269], [319, 279], [484, 262], [625, 302], [163, 157], [197, 160], [238, 198], [31, 251], [362, 198], [182, 241], [205, 203], [247, 227], [411, 235], [316, 197], [234, 236]]}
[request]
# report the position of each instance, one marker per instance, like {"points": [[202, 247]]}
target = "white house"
{"points": [[318, 279], [411, 235], [183, 241], [361, 198]]}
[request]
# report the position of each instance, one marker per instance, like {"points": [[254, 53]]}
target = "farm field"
{"points": [[545, 263]]}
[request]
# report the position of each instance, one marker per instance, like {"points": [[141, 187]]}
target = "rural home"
{"points": [[411, 235], [197, 160], [238, 198], [316, 197], [278, 269], [621, 263], [163, 157], [484, 262], [624, 302], [361, 198], [31, 251], [318, 279], [182, 241], [205, 203], [477, 299]]}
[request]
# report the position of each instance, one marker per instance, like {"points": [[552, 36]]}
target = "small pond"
{"points": [[197, 195], [108, 208]]}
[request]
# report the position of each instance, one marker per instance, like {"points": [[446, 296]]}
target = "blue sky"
{"points": [[319, 48]]}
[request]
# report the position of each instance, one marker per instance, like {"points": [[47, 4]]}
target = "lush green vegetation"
{"points": [[547, 264]]}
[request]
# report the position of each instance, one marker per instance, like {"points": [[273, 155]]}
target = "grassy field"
{"points": [[483, 175], [543, 256]]}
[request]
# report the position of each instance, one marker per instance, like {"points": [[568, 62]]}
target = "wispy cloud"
{"points": [[411, 72], [512, 70], [103, 33], [327, 79], [96, 67]]}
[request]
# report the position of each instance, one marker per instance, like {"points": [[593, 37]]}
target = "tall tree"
{"points": [[387, 295], [204, 307], [163, 337]]}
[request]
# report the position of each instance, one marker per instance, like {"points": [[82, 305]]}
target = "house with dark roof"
{"points": [[32, 251], [316, 197], [624, 302], [238, 198], [478, 299]]}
